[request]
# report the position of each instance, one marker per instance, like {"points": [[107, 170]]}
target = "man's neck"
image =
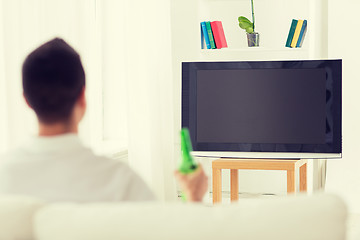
{"points": [[47, 130]]}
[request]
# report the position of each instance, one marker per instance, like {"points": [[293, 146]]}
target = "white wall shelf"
{"points": [[255, 53], [255, 49]]}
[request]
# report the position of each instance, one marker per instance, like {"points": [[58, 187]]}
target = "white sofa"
{"points": [[285, 218]]}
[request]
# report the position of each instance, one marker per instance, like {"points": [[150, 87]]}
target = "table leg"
{"points": [[303, 178], [216, 185], [291, 181], [234, 183]]}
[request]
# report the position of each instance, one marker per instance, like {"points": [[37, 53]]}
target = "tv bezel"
{"points": [[333, 67]]}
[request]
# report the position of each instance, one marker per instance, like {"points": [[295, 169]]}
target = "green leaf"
{"points": [[249, 29], [243, 19], [246, 24]]}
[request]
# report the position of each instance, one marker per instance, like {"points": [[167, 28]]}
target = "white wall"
{"points": [[343, 176], [273, 34]]}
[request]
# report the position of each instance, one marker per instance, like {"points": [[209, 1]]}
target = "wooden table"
{"points": [[291, 166]]}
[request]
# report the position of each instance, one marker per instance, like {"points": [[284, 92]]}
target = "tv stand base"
{"points": [[292, 167]]}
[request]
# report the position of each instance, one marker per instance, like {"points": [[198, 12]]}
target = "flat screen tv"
{"points": [[263, 109]]}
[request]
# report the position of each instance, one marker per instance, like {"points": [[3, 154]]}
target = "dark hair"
{"points": [[53, 78]]}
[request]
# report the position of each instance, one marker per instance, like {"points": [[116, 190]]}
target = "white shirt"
{"points": [[61, 169]]}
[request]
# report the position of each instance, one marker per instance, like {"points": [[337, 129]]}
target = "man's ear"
{"points": [[82, 98], [27, 102]]}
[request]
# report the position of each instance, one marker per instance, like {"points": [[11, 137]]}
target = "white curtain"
{"points": [[126, 51], [151, 147], [3, 98], [25, 25]]}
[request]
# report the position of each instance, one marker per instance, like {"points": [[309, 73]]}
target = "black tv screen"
{"points": [[264, 106]]}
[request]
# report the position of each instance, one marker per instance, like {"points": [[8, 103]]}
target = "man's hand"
{"points": [[194, 185]]}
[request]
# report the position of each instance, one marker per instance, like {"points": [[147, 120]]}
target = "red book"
{"points": [[219, 35]]}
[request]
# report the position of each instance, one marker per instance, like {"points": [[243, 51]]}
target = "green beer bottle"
{"points": [[188, 164]]}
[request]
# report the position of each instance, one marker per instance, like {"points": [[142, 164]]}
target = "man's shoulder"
{"points": [[81, 158], [130, 186], [11, 155], [105, 161], [112, 166]]}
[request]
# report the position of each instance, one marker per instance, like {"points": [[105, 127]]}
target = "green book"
{"points": [[211, 37], [291, 33]]}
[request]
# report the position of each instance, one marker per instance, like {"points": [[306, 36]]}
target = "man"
{"points": [[55, 166]]}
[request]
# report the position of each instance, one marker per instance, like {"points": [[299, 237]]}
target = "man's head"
{"points": [[54, 82]]}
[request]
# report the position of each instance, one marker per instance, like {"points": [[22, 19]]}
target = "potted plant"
{"points": [[245, 23]]}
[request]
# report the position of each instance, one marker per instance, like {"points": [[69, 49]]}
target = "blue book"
{"points": [[205, 35], [202, 38], [302, 34], [291, 33]]}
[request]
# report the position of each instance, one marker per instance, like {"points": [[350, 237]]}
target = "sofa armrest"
{"points": [[16, 217]]}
